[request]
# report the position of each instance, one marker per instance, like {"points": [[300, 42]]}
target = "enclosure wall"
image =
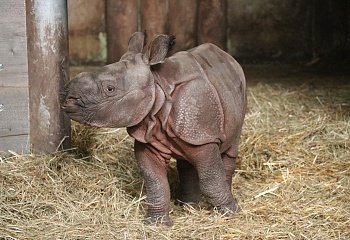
{"points": [[252, 31]]}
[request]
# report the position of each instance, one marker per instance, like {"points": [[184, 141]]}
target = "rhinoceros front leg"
{"points": [[189, 183], [153, 168], [212, 178]]}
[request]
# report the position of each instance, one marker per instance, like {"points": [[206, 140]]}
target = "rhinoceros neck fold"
{"points": [[155, 119]]}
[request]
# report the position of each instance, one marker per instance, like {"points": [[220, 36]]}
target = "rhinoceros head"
{"points": [[120, 94]]}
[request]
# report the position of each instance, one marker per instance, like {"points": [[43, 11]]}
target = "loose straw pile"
{"points": [[292, 180]]}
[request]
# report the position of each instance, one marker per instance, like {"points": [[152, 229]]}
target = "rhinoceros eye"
{"points": [[110, 88]]}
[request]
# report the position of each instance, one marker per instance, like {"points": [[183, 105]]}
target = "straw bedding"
{"points": [[292, 180]]}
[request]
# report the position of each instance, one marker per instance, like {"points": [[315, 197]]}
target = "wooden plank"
{"points": [[48, 71], [14, 124], [122, 20], [212, 22], [13, 45], [153, 17], [182, 23], [86, 27]]}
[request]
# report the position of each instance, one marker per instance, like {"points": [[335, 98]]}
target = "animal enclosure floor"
{"points": [[292, 179]]}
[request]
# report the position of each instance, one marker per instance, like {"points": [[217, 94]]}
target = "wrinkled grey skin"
{"points": [[189, 106]]}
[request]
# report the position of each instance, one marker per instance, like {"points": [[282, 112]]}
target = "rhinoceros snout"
{"points": [[72, 101]]}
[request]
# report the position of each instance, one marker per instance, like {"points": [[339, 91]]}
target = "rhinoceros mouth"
{"points": [[71, 104]]}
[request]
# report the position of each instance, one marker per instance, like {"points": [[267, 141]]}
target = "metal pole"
{"points": [[48, 71]]}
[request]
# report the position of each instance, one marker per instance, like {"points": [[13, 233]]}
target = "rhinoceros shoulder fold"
{"points": [[196, 115], [198, 86]]}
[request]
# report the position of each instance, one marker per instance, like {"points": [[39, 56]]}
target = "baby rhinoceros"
{"points": [[189, 106]]}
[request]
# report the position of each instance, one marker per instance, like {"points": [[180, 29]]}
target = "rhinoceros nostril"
{"points": [[79, 102]]}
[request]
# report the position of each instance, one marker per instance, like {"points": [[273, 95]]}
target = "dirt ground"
{"points": [[292, 180]]}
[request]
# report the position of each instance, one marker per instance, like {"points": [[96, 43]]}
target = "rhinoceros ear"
{"points": [[158, 49], [137, 42]]}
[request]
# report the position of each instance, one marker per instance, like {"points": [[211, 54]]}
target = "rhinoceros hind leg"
{"points": [[229, 161], [189, 183], [229, 166], [213, 180]]}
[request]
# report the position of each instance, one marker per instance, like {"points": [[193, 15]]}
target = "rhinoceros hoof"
{"points": [[159, 221], [229, 209]]}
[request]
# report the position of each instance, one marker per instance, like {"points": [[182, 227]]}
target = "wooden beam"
{"points": [[182, 23], [153, 17], [48, 71], [212, 22], [121, 22]]}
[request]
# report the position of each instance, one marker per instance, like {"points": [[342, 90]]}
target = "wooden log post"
{"points": [[121, 22], [153, 17], [182, 23], [212, 22], [48, 70]]}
